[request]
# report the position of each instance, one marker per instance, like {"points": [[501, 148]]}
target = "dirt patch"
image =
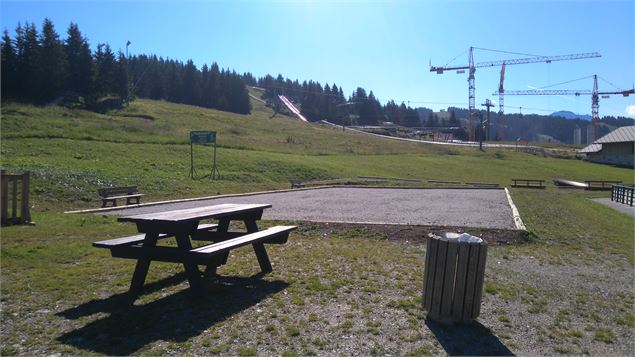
{"points": [[415, 234]]}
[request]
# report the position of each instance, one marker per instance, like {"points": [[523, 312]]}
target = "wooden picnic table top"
{"points": [[195, 214]]}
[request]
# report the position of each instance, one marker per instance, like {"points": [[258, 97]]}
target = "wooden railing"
{"points": [[12, 197], [623, 194]]}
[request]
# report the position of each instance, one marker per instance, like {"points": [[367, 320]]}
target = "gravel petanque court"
{"points": [[483, 208]]}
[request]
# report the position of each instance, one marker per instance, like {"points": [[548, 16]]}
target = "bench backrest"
{"points": [[115, 191]]}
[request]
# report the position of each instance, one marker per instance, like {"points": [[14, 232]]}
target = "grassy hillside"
{"points": [[73, 152]]}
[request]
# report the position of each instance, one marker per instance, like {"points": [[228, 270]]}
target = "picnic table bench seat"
{"points": [[138, 238], [273, 235], [211, 255], [112, 194], [528, 183]]}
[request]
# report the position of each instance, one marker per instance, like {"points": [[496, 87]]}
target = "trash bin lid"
{"points": [[460, 237]]}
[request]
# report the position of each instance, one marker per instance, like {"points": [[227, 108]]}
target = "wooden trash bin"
{"points": [[453, 278]]}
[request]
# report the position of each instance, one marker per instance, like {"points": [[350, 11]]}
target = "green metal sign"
{"points": [[202, 137]]}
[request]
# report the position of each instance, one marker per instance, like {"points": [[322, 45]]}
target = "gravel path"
{"points": [[616, 206], [484, 208]]}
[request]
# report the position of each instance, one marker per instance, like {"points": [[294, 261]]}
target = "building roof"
{"points": [[619, 135], [591, 149]]}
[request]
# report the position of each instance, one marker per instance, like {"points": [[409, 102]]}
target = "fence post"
{"points": [[14, 197], [4, 199], [26, 181]]}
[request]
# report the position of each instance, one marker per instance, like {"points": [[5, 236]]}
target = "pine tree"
{"points": [[191, 84], [431, 122], [105, 83], [9, 66], [28, 69], [81, 70], [52, 63], [121, 84], [454, 122]]}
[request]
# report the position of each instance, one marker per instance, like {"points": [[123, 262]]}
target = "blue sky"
{"points": [[381, 46]]}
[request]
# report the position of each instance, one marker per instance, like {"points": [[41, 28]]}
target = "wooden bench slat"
{"points": [[117, 242], [528, 183], [260, 236], [138, 238], [127, 196]]}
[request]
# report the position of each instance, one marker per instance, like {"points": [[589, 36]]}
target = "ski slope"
{"points": [[292, 108]]}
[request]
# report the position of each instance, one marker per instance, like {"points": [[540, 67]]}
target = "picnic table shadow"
{"points": [[176, 317], [473, 339]]}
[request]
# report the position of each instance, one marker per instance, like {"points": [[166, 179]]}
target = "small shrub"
{"points": [[247, 351], [293, 331], [604, 335]]}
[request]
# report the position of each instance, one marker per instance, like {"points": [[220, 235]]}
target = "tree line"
{"points": [[531, 126], [40, 66], [328, 102]]}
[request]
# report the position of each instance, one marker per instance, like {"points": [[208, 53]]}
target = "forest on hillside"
{"points": [[40, 67]]}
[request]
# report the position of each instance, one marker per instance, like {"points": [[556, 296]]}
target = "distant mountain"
{"points": [[570, 115]]}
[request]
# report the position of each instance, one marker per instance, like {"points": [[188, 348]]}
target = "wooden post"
{"points": [[4, 200], [26, 182], [14, 198]]}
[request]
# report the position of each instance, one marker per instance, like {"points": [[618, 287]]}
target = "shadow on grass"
{"points": [[468, 339], [177, 317]]}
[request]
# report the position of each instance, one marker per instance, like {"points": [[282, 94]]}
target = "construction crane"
{"points": [[594, 93], [501, 104], [472, 69]]}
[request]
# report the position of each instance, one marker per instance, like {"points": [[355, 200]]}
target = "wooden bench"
{"points": [[138, 238], [598, 185], [112, 194], [482, 184], [444, 182], [528, 183]]}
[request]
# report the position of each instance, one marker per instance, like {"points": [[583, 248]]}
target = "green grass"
{"points": [[73, 152], [51, 266]]}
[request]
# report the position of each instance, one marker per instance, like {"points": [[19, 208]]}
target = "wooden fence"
{"points": [[11, 198], [623, 194]]}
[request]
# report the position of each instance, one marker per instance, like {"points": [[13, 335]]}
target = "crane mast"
{"points": [[595, 108], [472, 70], [472, 96], [501, 104]]}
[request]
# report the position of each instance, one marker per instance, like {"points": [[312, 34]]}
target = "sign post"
{"points": [[203, 137]]}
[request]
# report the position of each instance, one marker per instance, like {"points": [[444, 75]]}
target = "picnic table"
{"points": [[185, 225]]}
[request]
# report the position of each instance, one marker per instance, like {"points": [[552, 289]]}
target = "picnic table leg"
{"points": [[143, 264], [191, 269], [259, 248], [210, 270]]}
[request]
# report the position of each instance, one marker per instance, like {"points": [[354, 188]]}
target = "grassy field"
{"points": [[569, 290]]}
